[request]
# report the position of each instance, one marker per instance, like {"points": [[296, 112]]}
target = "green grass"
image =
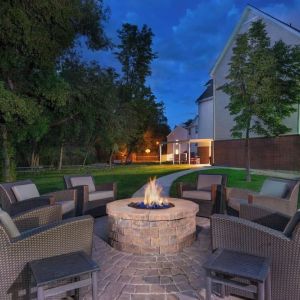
{"points": [[129, 178], [236, 178]]}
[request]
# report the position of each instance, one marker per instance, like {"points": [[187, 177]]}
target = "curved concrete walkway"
{"points": [[166, 181]]}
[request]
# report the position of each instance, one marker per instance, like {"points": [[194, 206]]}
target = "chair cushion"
{"points": [[84, 180], [291, 225], [25, 191], [201, 195], [273, 188], [100, 195], [205, 181], [236, 202], [9, 224], [66, 206]]}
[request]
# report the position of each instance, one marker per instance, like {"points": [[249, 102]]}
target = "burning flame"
{"points": [[152, 194]]}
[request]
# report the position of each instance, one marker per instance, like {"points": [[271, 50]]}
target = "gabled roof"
{"points": [[208, 93], [260, 13], [175, 128]]}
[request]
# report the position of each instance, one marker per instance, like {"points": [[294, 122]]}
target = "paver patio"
{"points": [[128, 276]]}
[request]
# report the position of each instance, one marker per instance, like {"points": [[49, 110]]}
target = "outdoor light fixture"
{"points": [[148, 151]]}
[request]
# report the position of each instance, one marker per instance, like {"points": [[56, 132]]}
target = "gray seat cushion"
{"points": [[66, 206], [290, 227], [201, 195], [205, 181], [8, 224], [100, 195], [236, 202], [25, 191], [273, 188], [83, 180]]}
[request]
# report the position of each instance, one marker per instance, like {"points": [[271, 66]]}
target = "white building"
{"points": [[205, 122]]}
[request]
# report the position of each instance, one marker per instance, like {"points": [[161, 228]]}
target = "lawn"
{"points": [[129, 178], [236, 178]]}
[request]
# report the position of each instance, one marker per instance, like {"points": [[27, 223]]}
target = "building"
{"points": [[205, 122], [269, 153], [195, 136]]}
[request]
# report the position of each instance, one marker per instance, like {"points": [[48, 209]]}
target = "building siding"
{"points": [[205, 121]]}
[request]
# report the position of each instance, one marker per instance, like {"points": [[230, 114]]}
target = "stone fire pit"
{"points": [[151, 231]]}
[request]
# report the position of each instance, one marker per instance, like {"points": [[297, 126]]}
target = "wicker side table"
{"points": [[50, 271], [223, 266]]}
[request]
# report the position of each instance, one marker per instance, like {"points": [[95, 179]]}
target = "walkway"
{"points": [[166, 181]]}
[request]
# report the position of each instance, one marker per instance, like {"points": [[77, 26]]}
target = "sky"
{"points": [[188, 37]]}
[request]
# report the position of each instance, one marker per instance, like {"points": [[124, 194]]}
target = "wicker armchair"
{"points": [[95, 197], [243, 235], [74, 234], [286, 204], [203, 192], [9, 202]]}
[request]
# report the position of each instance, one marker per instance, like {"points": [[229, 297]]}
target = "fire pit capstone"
{"points": [[151, 231]]}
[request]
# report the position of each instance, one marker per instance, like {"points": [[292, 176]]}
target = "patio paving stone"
{"points": [[126, 276]]}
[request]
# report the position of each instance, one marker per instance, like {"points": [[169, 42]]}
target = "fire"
{"points": [[152, 194]]}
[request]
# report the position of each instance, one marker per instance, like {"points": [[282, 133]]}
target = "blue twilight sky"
{"points": [[189, 36]]}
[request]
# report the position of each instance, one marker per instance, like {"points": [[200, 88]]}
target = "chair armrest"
{"points": [[214, 192], [238, 234], [38, 217], [110, 186], [277, 204], [238, 193], [29, 204], [70, 235], [264, 216], [63, 195]]}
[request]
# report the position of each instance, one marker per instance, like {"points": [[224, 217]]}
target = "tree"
{"points": [[263, 85], [35, 35], [136, 55]]}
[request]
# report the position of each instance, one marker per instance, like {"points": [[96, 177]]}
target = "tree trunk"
{"points": [[61, 156], [6, 171], [85, 157], [248, 157], [35, 160], [110, 158]]}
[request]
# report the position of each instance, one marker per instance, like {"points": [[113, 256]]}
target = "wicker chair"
{"points": [[9, 202], [74, 234], [203, 192], [95, 196], [233, 233], [286, 204]]}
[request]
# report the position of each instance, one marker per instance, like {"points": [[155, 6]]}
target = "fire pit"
{"points": [[151, 230]]}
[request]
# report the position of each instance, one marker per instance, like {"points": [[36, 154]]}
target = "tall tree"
{"points": [[34, 36], [263, 85], [136, 55]]}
